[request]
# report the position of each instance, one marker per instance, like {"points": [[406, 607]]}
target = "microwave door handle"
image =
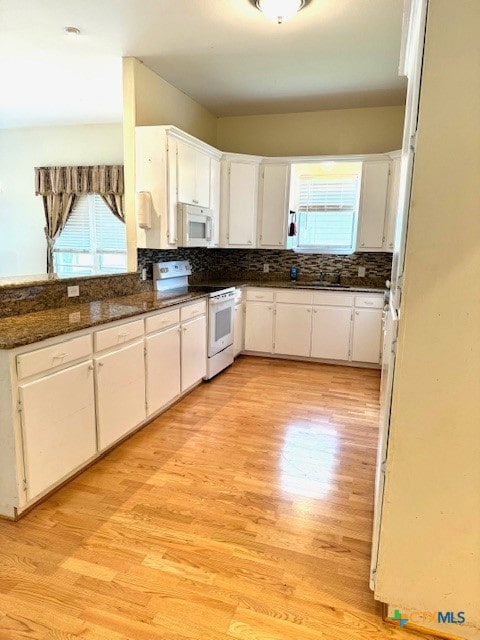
{"points": [[209, 229]]}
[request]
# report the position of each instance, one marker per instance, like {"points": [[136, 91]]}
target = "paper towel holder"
{"points": [[143, 208]]}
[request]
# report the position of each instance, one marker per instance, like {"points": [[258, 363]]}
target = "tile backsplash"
{"points": [[250, 261]]}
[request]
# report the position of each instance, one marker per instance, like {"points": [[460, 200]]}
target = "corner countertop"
{"points": [[299, 284], [17, 331], [29, 328]]}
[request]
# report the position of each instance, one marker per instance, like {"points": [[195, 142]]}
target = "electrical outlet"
{"points": [[361, 272], [266, 267], [73, 291]]}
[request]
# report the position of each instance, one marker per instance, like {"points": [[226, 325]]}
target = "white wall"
{"points": [[22, 240]]}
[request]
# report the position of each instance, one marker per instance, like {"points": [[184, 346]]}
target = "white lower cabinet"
{"points": [[238, 326], [325, 325], [162, 361], [120, 392], [259, 326], [367, 335], [58, 425], [331, 328], [293, 327], [193, 352]]}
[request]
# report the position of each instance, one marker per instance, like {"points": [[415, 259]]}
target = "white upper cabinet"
{"points": [[173, 167], [193, 175], [392, 204], [239, 203], [215, 199], [273, 204], [373, 206]]}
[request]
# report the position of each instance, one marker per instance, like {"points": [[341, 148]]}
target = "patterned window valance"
{"points": [[102, 179], [61, 186]]}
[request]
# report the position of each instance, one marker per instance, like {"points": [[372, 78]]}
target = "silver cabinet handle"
{"points": [[100, 364], [91, 367], [60, 356]]}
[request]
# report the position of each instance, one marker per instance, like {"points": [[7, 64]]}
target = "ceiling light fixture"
{"points": [[280, 10], [72, 31]]}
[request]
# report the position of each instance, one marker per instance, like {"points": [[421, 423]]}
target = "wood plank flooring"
{"points": [[242, 513]]}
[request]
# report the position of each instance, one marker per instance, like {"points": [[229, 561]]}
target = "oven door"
{"points": [[220, 324]]}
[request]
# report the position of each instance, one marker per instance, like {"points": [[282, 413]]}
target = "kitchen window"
{"points": [[92, 242], [325, 196]]}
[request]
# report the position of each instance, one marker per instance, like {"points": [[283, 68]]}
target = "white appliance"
{"points": [[390, 331], [195, 226], [221, 311], [171, 279]]}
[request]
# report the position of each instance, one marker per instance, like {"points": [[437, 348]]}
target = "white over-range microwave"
{"points": [[195, 226]]}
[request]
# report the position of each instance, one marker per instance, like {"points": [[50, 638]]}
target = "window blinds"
{"points": [[327, 208], [92, 227]]}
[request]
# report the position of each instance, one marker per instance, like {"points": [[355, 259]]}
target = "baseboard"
{"points": [[342, 363]]}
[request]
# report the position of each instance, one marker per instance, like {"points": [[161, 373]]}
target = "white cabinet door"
{"points": [[367, 335], [193, 175], [162, 368], [273, 205], [186, 172], [293, 328], [193, 352], [392, 206], [242, 204], [215, 199], [259, 327], [202, 180], [331, 332], [373, 206], [58, 422], [238, 329], [120, 392]]}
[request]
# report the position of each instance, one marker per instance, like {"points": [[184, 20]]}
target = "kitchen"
{"points": [[394, 592]]}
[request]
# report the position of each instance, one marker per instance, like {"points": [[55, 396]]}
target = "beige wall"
{"points": [[342, 131], [149, 100], [22, 239], [430, 549], [158, 102]]}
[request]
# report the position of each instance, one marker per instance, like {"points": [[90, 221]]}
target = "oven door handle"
{"points": [[226, 301]]}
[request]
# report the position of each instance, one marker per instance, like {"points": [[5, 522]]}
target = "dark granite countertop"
{"points": [[289, 284], [24, 329], [20, 330]]}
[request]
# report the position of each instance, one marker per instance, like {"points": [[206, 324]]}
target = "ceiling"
{"points": [[223, 53]]}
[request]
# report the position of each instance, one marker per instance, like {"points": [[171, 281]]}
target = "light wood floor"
{"points": [[244, 512]]}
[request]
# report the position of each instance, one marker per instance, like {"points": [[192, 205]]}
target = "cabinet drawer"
{"points": [[193, 310], [334, 299], [118, 335], [370, 302], [28, 364], [162, 320], [295, 297], [262, 295]]}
